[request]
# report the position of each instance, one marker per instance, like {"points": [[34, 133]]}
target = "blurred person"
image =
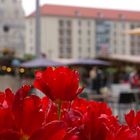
{"points": [[126, 77], [83, 75], [95, 80], [134, 79], [116, 77]]}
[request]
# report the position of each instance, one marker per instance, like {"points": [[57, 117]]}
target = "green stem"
{"points": [[59, 110]]}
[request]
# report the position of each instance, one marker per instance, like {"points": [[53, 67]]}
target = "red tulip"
{"points": [[55, 130], [29, 112], [120, 133], [60, 84], [24, 117], [80, 105], [94, 126], [10, 135], [6, 99], [75, 133], [72, 118], [133, 122], [21, 115], [129, 132], [6, 119]]}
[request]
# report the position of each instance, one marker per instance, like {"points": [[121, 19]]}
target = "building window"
{"points": [[68, 41], [123, 42], [139, 44], [132, 26], [132, 37], [123, 50], [61, 23], [132, 43], [61, 41], [61, 56], [132, 51], [88, 49], [80, 41], [69, 56], [89, 23], [115, 50], [69, 23], [68, 32], [115, 33], [79, 23], [89, 32], [80, 49], [115, 25], [88, 41], [61, 49], [68, 49], [138, 25], [115, 42], [61, 32], [80, 32], [123, 25]]}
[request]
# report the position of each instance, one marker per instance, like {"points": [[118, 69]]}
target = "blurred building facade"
{"points": [[76, 32], [12, 27]]}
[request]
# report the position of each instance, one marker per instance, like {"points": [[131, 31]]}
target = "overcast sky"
{"points": [[29, 5]]}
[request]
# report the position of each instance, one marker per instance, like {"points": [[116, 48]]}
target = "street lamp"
{"points": [[37, 27]]}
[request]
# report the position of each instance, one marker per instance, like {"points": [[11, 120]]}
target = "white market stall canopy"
{"points": [[82, 61], [43, 62], [126, 58]]}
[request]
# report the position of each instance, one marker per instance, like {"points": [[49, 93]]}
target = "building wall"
{"points": [[70, 40], [103, 37], [135, 40], [49, 36], [119, 39], [30, 36], [65, 37], [77, 37], [83, 38], [12, 17]]}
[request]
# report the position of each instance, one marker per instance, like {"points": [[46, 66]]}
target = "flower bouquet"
{"points": [[60, 115]]}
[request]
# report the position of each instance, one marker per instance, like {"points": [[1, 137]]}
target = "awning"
{"points": [[135, 31], [82, 61], [41, 62], [125, 58]]}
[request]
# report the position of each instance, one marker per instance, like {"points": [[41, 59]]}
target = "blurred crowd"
{"points": [[98, 80]]}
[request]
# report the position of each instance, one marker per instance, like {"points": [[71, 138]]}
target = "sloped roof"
{"points": [[71, 11]]}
